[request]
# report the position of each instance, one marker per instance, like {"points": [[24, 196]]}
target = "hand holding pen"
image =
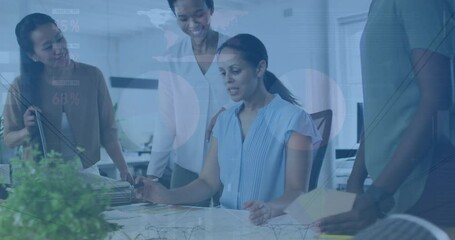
{"points": [[150, 190]]}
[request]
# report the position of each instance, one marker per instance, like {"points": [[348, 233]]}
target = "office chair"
{"points": [[323, 122]]}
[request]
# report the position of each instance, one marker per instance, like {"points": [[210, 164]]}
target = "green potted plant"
{"points": [[50, 202]]}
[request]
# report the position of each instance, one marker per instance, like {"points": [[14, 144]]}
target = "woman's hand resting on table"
{"points": [[260, 212]]}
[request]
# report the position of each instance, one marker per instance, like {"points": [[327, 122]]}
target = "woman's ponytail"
{"points": [[274, 85]]}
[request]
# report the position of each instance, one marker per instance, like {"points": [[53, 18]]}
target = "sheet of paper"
{"points": [[319, 203], [119, 215]]}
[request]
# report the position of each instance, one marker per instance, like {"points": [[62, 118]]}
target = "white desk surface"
{"points": [[148, 221]]}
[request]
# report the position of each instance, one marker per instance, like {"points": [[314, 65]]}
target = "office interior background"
{"points": [[313, 48]]}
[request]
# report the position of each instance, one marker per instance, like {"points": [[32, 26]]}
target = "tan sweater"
{"points": [[87, 103]]}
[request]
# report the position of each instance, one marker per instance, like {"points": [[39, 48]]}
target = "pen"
{"points": [[329, 236]]}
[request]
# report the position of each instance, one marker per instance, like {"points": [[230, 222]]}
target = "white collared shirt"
{"points": [[188, 100]]}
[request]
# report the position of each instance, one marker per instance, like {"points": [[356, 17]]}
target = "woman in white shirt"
{"points": [[191, 93]]}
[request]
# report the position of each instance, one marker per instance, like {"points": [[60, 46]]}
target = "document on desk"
{"points": [[319, 203], [148, 221], [118, 215]]}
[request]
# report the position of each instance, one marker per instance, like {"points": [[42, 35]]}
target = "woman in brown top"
{"points": [[72, 98]]}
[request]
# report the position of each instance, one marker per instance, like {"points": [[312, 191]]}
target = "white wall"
{"points": [[9, 52], [345, 19], [9, 69]]}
